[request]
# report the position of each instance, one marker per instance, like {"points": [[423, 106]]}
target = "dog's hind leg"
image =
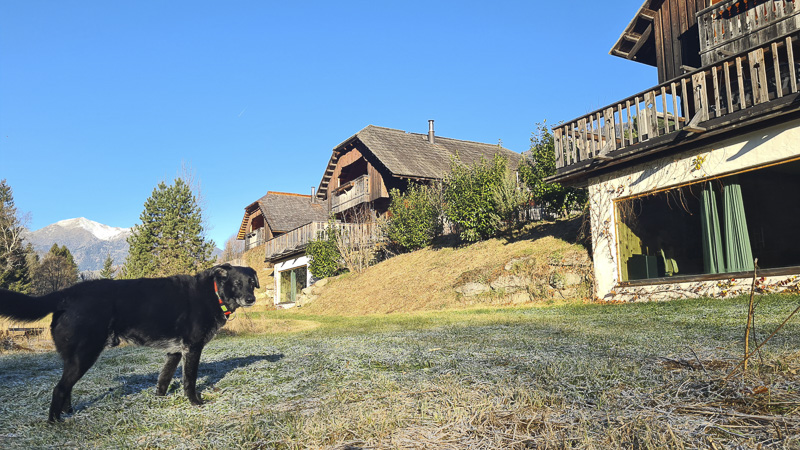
{"points": [[75, 366], [167, 372]]}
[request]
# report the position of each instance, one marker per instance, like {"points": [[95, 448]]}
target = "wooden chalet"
{"points": [[366, 166], [688, 180], [284, 224], [276, 214]]}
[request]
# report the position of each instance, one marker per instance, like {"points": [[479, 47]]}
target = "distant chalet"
{"points": [[364, 167]]}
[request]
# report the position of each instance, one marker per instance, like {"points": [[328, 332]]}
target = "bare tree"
{"points": [[234, 249], [360, 238]]}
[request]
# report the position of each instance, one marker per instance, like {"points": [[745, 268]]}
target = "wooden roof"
{"points": [[284, 211], [411, 155]]}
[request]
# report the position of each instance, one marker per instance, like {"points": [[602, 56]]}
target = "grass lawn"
{"points": [[563, 376]]}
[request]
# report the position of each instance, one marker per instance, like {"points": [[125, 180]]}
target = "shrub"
{"points": [[552, 197], [415, 216], [477, 198], [323, 252]]}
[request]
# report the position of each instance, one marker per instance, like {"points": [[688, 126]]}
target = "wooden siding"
{"points": [[377, 186], [676, 37]]}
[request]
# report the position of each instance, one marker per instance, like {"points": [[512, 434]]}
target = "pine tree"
{"points": [[14, 269], [108, 268], [170, 239]]}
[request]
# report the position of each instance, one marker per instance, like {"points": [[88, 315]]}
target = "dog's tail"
{"points": [[24, 307]]}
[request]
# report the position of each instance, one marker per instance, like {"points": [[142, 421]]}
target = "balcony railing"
{"points": [[294, 240], [351, 194], [298, 239], [730, 27], [681, 105], [254, 239]]}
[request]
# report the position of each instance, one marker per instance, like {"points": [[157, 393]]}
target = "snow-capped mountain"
{"points": [[88, 241]]}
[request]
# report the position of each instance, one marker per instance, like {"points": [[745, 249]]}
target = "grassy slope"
{"points": [[427, 279]]}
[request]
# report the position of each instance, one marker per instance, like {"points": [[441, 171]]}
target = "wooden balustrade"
{"points": [[293, 240], [350, 194], [730, 27], [682, 104], [296, 240], [254, 239]]}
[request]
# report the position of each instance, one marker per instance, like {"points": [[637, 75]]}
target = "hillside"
{"points": [[543, 262]]}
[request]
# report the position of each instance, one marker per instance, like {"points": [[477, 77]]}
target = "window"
{"points": [[713, 227], [293, 281]]}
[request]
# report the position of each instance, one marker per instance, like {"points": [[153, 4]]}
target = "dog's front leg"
{"points": [[165, 377], [191, 361]]}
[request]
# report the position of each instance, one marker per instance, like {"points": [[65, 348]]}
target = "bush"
{"points": [[479, 198], [552, 197], [325, 259], [415, 216]]}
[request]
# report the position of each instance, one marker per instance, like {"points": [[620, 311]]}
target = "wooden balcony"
{"points": [[350, 194], [254, 239], [295, 241], [731, 27], [736, 91]]}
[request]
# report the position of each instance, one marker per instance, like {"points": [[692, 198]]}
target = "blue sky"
{"points": [[100, 101]]}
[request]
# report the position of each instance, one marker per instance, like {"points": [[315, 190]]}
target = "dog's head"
{"points": [[236, 285]]}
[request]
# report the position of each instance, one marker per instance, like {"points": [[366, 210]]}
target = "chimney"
{"points": [[431, 137], [313, 198]]}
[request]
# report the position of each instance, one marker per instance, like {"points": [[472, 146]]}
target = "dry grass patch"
{"points": [[427, 279], [25, 336]]}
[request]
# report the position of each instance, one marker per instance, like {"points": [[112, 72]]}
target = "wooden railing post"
{"points": [[758, 76], [609, 132], [700, 97], [651, 118], [559, 147]]}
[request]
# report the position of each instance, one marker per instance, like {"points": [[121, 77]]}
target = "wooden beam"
{"points": [[633, 37], [648, 14], [692, 126], [642, 39]]}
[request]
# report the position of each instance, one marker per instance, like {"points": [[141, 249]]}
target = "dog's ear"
{"points": [[255, 277], [221, 272]]}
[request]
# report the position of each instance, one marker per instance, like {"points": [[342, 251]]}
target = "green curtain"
{"points": [[738, 254], [713, 261]]}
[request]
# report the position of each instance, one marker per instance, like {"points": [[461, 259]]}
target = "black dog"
{"points": [[179, 313]]}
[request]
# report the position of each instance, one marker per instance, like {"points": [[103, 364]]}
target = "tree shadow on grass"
{"points": [[209, 374]]}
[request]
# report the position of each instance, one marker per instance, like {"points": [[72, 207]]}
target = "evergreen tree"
{"points": [[170, 239], [14, 269], [415, 216], [535, 169], [470, 197], [108, 268], [56, 271]]}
